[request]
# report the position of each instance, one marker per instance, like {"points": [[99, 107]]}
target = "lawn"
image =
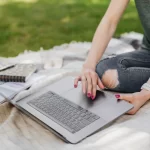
{"points": [[31, 24]]}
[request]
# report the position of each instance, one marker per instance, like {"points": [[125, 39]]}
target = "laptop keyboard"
{"points": [[67, 114]]}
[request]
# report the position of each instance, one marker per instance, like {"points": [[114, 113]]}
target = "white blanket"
{"points": [[19, 132]]}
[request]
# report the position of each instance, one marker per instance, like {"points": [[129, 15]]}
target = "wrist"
{"points": [[89, 66]]}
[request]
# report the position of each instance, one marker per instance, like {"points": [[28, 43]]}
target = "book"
{"points": [[8, 90], [18, 73]]}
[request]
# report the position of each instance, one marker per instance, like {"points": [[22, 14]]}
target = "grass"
{"points": [[45, 23]]}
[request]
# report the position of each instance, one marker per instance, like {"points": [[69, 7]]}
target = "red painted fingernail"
{"points": [[93, 97], [117, 96], [88, 95], [75, 86]]}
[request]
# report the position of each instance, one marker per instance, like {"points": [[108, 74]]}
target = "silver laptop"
{"points": [[68, 113]]}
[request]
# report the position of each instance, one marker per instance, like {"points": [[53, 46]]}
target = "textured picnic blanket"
{"points": [[19, 132]]}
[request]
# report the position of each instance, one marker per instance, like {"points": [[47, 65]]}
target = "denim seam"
{"points": [[129, 58], [138, 69], [137, 59]]}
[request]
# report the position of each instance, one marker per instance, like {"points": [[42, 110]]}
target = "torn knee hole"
{"points": [[110, 78]]}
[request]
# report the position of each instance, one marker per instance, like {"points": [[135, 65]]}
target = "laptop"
{"points": [[70, 114]]}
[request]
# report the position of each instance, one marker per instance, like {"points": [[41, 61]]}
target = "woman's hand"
{"points": [[90, 80], [138, 99]]}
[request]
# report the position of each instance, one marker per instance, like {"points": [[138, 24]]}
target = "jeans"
{"points": [[133, 70]]}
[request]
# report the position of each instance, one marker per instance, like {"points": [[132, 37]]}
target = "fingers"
{"points": [[76, 81], [129, 98], [83, 80], [89, 85], [100, 84], [89, 81], [126, 97], [94, 85]]}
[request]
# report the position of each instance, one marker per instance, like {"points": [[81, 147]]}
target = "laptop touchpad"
{"points": [[76, 95]]}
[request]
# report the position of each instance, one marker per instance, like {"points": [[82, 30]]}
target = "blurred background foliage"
{"points": [[31, 24]]}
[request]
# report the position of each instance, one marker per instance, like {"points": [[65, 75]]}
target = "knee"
{"points": [[110, 79], [108, 76]]}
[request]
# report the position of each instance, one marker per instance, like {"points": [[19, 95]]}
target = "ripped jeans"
{"points": [[128, 71]]}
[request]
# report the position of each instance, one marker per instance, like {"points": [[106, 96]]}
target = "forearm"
{"points": [[100, 41], [105, 31]]}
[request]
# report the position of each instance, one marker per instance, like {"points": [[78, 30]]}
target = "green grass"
{"points": [[45, 23]]}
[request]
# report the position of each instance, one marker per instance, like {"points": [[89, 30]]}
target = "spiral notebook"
{"points": [[18, 73], [8, 90]]}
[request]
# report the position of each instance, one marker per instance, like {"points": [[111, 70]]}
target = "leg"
{"points": [[126, 72]]}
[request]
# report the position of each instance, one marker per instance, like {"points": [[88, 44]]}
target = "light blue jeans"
{"points": [[133, 70]]}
